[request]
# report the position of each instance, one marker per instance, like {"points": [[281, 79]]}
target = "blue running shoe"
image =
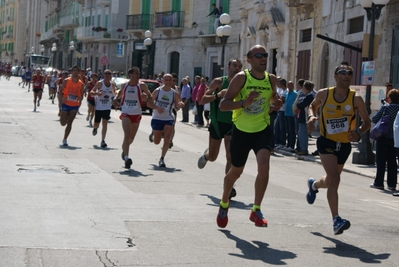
{"points": [[340, 225], [311, 195]]}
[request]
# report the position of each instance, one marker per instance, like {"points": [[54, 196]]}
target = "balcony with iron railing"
{"points": [[137, 24], [110, 35], [169, 22], [85, 33], [47, 35], [103, 2], [69, 22]]}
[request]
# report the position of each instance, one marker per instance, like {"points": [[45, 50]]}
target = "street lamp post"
{"points": [[223, 32], [364, 155], [147, 43], [42, 49], [54, 50], [71, 48]]}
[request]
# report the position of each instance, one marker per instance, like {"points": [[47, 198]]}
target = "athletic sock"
{"points": [[314, 186], [126, 157], [224, 205], [255, 207]]}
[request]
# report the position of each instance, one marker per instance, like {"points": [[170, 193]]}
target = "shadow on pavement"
{"points": [[342, 249], [133, 173], [259, 251], [105, 148], [69, 147], [233, 203], [165, 169]]}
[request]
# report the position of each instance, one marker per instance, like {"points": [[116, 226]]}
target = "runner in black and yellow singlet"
{"points": [[337, 129]]}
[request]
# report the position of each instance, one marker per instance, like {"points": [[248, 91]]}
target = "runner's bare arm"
{"points": [[233, 90], [312, 111], [210, 93]]}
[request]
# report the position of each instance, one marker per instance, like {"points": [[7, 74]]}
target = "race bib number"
{"points": [[104, 101], [163, 105], [335, 126], [131, 103], [36, 83], [73, 98]]}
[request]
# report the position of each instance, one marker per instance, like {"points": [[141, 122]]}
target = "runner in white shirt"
{"points": [[130, 95], [163, 119], [103, 92]]}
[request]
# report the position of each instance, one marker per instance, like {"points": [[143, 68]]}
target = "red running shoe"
{"points": [[222, 218], [257, 218]]}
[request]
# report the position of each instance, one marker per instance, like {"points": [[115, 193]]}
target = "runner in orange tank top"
{"points": [[72, 94]]}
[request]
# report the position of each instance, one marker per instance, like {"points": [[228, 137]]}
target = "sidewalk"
{"points": [[364, 170]]}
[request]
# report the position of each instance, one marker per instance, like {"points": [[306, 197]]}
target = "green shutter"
{"points": [[211, 29], [225, 6], [176, 5], [145, 14]]}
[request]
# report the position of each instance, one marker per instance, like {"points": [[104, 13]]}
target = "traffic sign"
{"points": [[104, 60], [367, 73]]}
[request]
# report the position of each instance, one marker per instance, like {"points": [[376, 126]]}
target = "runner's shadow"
{"points": [[105, 148], [69, 147], [260, 251], [166, 169], [342, 249], [233, 203], [133, 173]]}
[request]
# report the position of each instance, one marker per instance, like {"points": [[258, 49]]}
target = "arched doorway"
{"points": [[174, 62]]}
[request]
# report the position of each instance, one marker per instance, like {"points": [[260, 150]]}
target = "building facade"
{"points": [[8, 30], [290, 30], [304, 38], [183, 37]]}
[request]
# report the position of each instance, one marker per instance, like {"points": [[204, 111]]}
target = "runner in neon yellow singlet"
{"points": [[249, 96]]}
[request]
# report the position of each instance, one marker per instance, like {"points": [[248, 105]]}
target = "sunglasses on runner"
{"points": [[345, 72], [260, 55]]}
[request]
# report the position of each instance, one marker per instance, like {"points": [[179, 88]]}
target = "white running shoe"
{"points": [[202, 160]]}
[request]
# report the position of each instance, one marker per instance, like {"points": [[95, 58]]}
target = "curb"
{"points": [[317, 160]]}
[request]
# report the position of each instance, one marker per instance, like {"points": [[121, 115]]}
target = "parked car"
{"points": [[15, 70], [151, 84]]}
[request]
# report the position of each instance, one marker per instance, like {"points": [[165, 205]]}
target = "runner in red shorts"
{"points": [[130, 95]]}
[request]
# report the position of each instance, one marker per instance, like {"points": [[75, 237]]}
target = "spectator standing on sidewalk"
{"points": [[339, 105], [304, 101], [279, 128], [289, 116], [200, 106], [197, 83], [185, 97], [385, 149]]}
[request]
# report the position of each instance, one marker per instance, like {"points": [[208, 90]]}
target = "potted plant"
{"points": [[107, 35], [38, 34], [119, 30]]}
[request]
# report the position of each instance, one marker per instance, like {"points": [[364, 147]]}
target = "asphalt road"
{"points": [[78, 206]]}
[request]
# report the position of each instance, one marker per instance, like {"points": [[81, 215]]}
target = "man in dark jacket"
{"points": [[304, 101]]}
